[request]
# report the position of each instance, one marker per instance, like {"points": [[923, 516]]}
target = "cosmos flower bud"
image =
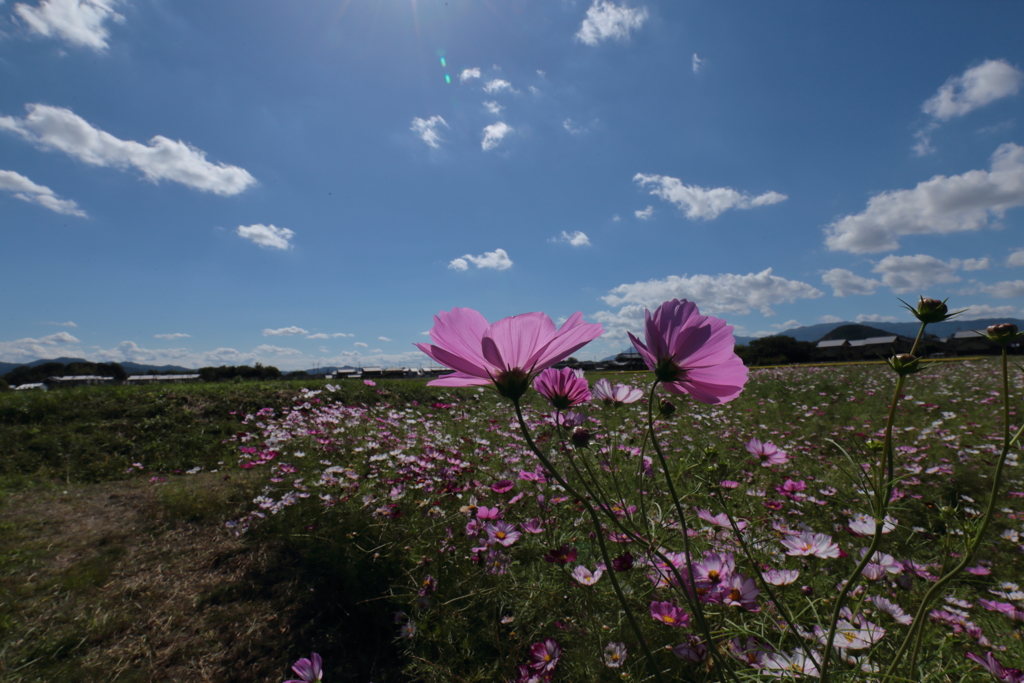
{"points": [[904, 364], [580, 437], [1002, 334], [666, 407], [931, 310]]}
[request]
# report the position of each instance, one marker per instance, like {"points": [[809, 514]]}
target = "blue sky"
{"points": [[201, 183]]}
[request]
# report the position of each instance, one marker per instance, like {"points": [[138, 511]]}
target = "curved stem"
{"points": [[916, 631], [652, 665], [698, 608]]}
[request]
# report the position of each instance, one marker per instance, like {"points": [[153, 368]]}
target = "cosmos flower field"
{"points": [[503, 578]]}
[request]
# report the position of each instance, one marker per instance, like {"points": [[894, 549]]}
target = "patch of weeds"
{"points": [[208, 497], [92, 572]]}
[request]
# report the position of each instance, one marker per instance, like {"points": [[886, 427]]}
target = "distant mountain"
{"points": [[129, 367], [813, 333], [328, 369]]}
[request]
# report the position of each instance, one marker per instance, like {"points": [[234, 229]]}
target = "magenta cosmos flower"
{"points": [[565, 388], [692, 353], [308, 670], [506, 354]]}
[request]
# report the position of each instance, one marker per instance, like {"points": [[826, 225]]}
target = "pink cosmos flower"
{"points": [[781, 577], [618, 395], [819, 545], [692, 353], [742, 593], [506, 354], [767, 451], [308, 670], [544, 655], [503, 533], [615, 655], [667, 613], [565, 388], [586, 577], [996, 668]]}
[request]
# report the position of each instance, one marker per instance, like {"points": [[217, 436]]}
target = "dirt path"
{"points": [[103, 582]]}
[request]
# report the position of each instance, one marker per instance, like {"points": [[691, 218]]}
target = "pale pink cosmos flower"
{"points": [[667, 613], [781, 577], [692, 353], [819, 545], [886, 606], [615, 655], [996, 668], [864, 525], [564, 388], [618, 395], [308, 670], [796, 663], [506, 354], [503, 533], [768, 452], [586, 577]]}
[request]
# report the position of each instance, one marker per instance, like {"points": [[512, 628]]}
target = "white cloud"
{"points": [[267, 235], [645, 214], [616, 218], [606, 20], [830, 319], [938, 206], [161, 159], [67, 324], [28, 349], [427, 130], [923, 146], [494, 134], [905, 274], [572, 127], [267, 349], [976, 87], [985, 311], [79, 22], [1004, 290], [318, 335], [788, 325], [976, 264], [469, 74], [714, 294], [27, 191], [845, 283], [342, 334], [360, 345], [493, 107], [875, 318], [700, 202], [497, 259], [384, 339], [697, 63], [174, 335], [1016, 258], [284, 331], [576, 239], [497, 85]]}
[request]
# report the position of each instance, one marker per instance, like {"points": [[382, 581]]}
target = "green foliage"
{"points": [[775, 350], [30, 375], [4, 386], [239, 372]]}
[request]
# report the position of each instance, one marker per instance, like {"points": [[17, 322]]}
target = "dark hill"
{"points": [[853, 332]]}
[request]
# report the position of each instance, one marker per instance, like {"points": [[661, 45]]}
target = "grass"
{"points": [[107, 575]]}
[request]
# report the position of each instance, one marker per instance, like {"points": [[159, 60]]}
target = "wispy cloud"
{"points": [[383, 339], [173, 335], [605, 21], [903, 274], [705, 203], [56, 128], [494, 134], [576, 238], [697, 63], [28, 191], [497, 259], [978, 86], [79, 22], [267, 235], [361, 345], [427, 130], [284, 331], [644, 214], [469, 74], [497, 85], [942, 205], [493, 107], [67, 324]]}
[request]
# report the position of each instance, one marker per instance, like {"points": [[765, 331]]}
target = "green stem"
{"points": [[702, 622], [917, 630], [649, 656]]}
